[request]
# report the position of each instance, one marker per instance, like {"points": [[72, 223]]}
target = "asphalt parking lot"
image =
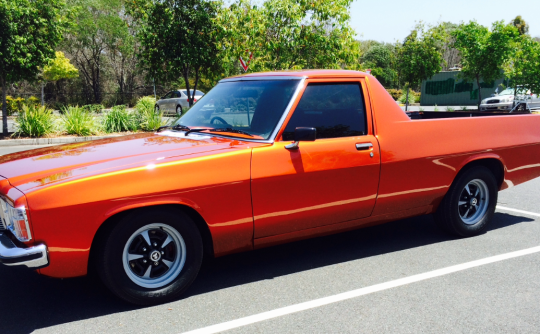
{"points": [[279, 289]]}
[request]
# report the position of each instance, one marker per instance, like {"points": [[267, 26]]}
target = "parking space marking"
{"points": [[518, 211], [357, 293]]}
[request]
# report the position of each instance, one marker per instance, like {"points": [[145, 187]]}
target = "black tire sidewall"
{"points": [[457, 224], [112, 270], [179, 113]]}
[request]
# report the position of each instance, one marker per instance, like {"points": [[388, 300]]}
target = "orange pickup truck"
{"points": [[260, 160]]}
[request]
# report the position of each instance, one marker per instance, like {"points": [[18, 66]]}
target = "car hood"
{"points": [[40, 167]]}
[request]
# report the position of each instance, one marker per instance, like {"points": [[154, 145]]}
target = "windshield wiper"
{"points": [[230, 130], [189, 130]]}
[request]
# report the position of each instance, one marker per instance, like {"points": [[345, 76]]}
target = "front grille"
{"points": [[492, 101]]}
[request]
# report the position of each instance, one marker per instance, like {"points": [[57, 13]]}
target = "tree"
{"points": [[58, 69], [288, 34], [95, 38], [178, 38], [484, 52], [30, 31], [524, 68], [419, 58], [521, 25], [381, 59]]}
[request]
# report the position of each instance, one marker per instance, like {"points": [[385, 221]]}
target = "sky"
{"points": [[391, 20]]}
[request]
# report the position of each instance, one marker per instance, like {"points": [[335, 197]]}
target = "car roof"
{"points": [[306, 73]]}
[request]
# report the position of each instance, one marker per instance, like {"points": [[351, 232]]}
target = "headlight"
{"points": [[16, 220]]}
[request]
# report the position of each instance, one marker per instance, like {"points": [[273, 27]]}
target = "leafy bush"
{"points": [[119, 119], [147, 117], [13, 104], [395, 93], [35, 121], [78, 121], [450, 109], [93, 108], [403, 98], [33, 101]]}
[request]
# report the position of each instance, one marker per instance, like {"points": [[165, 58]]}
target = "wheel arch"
{"points": [[492, 162], [111, 221]]}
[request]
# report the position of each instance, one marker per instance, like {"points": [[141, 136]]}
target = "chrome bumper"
{"points": [[32, 257]]}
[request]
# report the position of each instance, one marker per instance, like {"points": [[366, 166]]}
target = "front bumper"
{"points": [[505, 106], [31, 257]]}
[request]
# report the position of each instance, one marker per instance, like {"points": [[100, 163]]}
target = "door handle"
{"points": [[364, 146]]}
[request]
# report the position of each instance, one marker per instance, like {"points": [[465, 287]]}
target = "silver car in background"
{"points": [[504, 101], [176, 101]]}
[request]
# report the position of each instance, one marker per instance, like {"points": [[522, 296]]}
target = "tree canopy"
{"points": [[59, 68], [524, 68], [521, 25], [31, 30], [483, 52]]}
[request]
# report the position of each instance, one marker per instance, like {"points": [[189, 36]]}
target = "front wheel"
{"points": [[151, 256], [469, 205]]}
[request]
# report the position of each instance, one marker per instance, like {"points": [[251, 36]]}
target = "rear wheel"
{"points": [[151, 256], [178, 110], [469, 205], [157, 108]]}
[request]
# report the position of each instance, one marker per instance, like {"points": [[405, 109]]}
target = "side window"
{"points": [[177, 94], [168, 96], [335, 110]]}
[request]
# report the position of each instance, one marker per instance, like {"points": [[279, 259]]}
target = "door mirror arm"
{"points": [[302, 134]]}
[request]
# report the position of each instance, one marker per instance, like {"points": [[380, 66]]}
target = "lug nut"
{"points": [[144, 249], [144, 261], [155, 263], [162, 252], [155, 244]]}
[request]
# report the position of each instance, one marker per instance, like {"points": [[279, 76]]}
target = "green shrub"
{"points": [[13, 105], [403, 98], [450, 109], [93, 108], [33, 101], [119, 119], [77, 121], [395, 93], [34, 121], [147, 117]]}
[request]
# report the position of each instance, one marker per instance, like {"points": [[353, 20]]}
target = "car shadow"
{"points": [[30, 301]]}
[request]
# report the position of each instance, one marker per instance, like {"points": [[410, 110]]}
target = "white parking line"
{"points": [[357, 293], [518, 211]]}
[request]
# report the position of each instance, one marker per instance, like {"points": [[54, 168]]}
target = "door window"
{"points": [[168, 96], [335, 110]]}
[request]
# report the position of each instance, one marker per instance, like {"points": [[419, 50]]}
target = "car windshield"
{"points": [[253, 107], [197, 92], [510, 91]]}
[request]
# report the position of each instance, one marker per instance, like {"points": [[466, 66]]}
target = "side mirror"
{"points": [[302, 134]]}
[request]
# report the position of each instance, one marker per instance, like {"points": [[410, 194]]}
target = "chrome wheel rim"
{"points": [[179, 110], [473, 202], [154, 255]]}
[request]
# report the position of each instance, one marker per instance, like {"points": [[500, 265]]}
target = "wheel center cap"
{"points": [[155, 256], [474, 201]]}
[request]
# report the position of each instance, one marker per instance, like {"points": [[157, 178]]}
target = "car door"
{"points": [[330, 180], [165, 101]]}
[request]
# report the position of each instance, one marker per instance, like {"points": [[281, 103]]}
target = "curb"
{"points": [[48, 141]]}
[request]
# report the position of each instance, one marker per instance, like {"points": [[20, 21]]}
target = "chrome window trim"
{"points": [[264, 78], [287, 110]]}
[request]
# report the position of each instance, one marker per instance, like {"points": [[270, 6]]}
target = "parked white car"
{"points": [[176, 101], [504, 101]]}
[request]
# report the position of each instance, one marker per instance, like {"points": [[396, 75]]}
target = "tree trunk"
{"points": [[4, 107], [479, 92], [407, 100], [42, 94], [195, 87], [186, 81]]}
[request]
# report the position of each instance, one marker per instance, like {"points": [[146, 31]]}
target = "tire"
{"points": [[146, 274], [469, 205], [178, 110]]}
